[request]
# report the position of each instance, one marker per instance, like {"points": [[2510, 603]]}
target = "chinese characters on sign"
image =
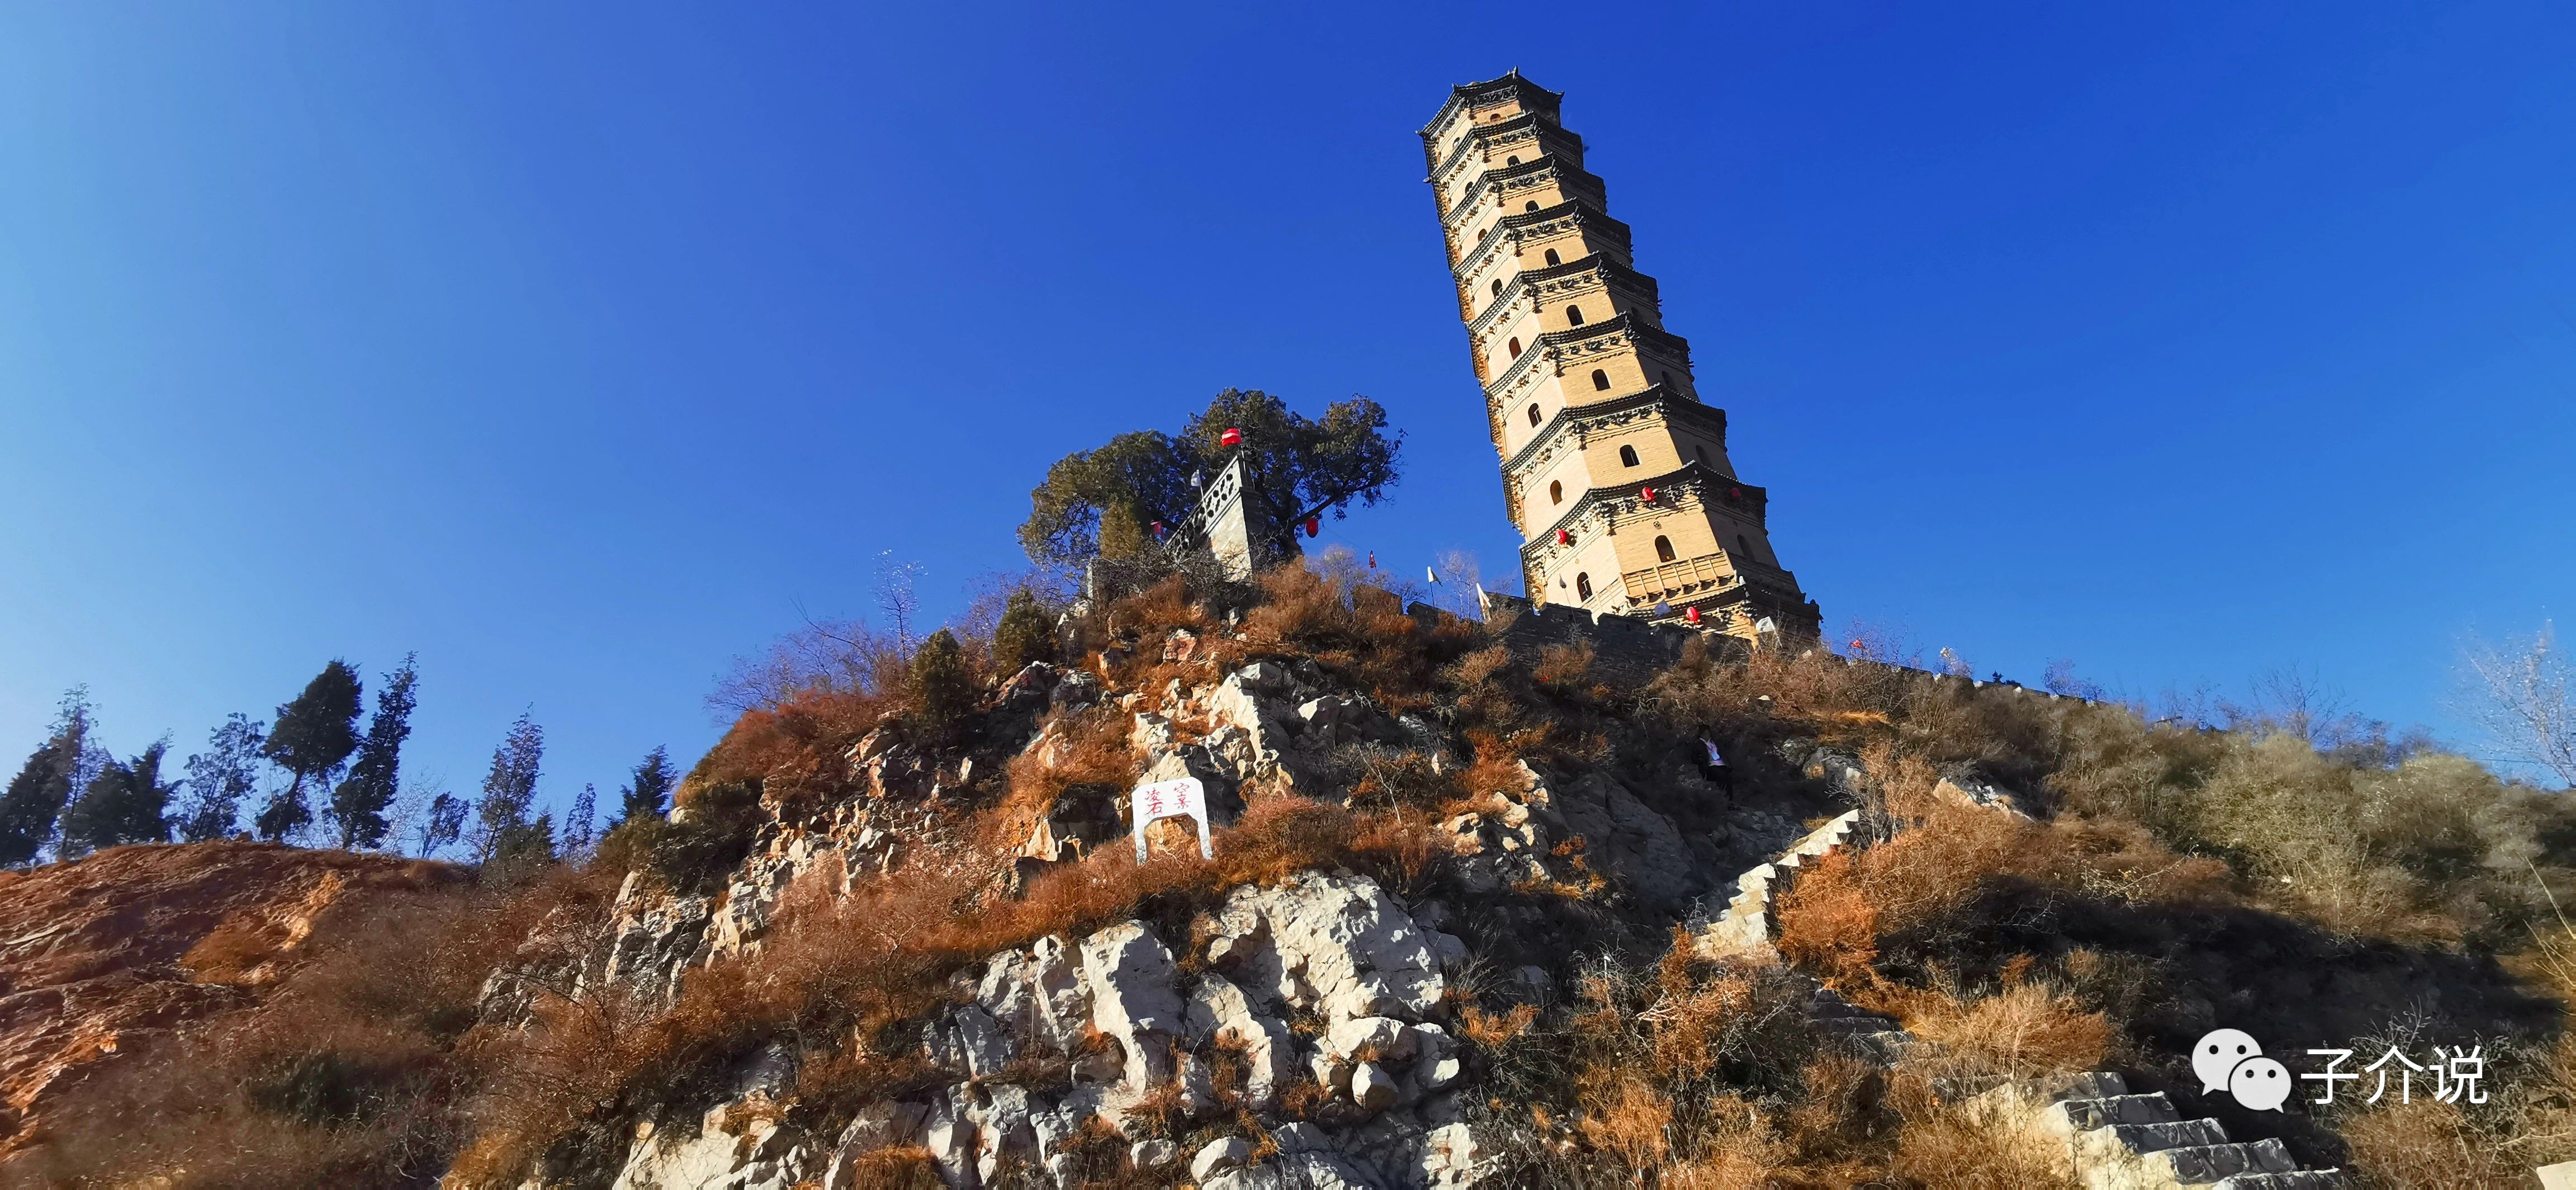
{"points": [[1176, 798]]}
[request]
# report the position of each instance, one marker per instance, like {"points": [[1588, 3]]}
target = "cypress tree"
{"points": [[444, 824], [579, 820], [943, 693], [508, 790], [314, 734], [1024, 635], [124, 803], [648, 795], [220, 777], [36, 796], [358, 805]]}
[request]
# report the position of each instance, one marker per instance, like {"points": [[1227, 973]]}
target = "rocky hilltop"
{"points": [[1479, 913]]}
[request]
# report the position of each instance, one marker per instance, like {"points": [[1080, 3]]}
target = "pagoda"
{"points": [[1613, 469]]}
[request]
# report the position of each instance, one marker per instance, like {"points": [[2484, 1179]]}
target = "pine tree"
{"points": [[508, 790], [358, 805], [943, 693], [314, 735], [1024, 635], [444, 824], [648, 795], [220, 777], [124, 803], [36, 796], [579, 820]]}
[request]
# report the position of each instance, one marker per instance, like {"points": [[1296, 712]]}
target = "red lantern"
{"points": [[1646, 494], [1314, 525], [1734, 493], [1232, 437], [1691, 614], [1564, 538]]}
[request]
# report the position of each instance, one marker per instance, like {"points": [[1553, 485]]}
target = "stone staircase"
{"points": [[2119, 1141], [1746, 925]]}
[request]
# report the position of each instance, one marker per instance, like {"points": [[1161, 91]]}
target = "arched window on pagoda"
{"points": [[1663, 549], [1627, 456], [1533, 412], [1511, 161], [1531, 205], [1498, 289], [1574, 315], [1555, 492], [1583, 587], [1600, 380], [1552, 257], [1516, 347]]}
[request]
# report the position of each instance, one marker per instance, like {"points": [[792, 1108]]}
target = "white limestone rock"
{"points": [[1372, 1037], [1219, 1011], [1037, 994], [877, 1126], [1219, 1156], [968, 1041], [1129, 975], [1372, 1087], [1335, 945]]}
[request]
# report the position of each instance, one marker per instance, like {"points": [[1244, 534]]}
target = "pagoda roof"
{"points": [[1463, 94]]}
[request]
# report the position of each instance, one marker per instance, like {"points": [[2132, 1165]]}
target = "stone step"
{"points": [[2117, 1141], [2207, 1164], [2067, 1117], [2304, 1179], [1851, 1025], [2092, 1084]]}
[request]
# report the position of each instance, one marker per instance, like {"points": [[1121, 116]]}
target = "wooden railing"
{"points": [[1676, 578]]}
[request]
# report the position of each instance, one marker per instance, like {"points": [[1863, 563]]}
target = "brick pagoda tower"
{"points": [[1614, 471]]}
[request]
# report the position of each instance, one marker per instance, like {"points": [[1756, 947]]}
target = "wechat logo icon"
{"points": [[2231, 1060]]}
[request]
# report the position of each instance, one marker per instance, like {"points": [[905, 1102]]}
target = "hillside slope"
{"points": [[108, 956], [1476, 915]]}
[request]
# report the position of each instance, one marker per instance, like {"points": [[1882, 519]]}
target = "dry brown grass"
{"points": [[354, 1069], [1970, 1144], [2425, 1143], [832, 968], [1363, 634], [2025, 1030]]}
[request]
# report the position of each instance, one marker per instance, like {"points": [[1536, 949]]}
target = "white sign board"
{"points": [[1178, 797]]}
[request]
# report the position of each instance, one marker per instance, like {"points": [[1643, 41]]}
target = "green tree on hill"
{"points": [[648, 794], [501, 828], [36, 796], [314, 735], [1103, 502], [125, 803], [220, 777], [1024, 635], [358, 805], [943, 692]]}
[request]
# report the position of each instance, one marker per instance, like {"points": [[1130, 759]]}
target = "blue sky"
{"points": [[581, 349]]}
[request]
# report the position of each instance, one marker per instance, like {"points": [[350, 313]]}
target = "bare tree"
{"points": [[899, 599], [2298, 702], [2520, 693], [823, 657], [1459, 578]]}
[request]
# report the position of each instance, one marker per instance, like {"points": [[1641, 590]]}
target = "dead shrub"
{"points": [[1970, 1144], [2025, 1030], [2424, 1143]]}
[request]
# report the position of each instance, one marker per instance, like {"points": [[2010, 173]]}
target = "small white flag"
{"points": [[1431, 574]]}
